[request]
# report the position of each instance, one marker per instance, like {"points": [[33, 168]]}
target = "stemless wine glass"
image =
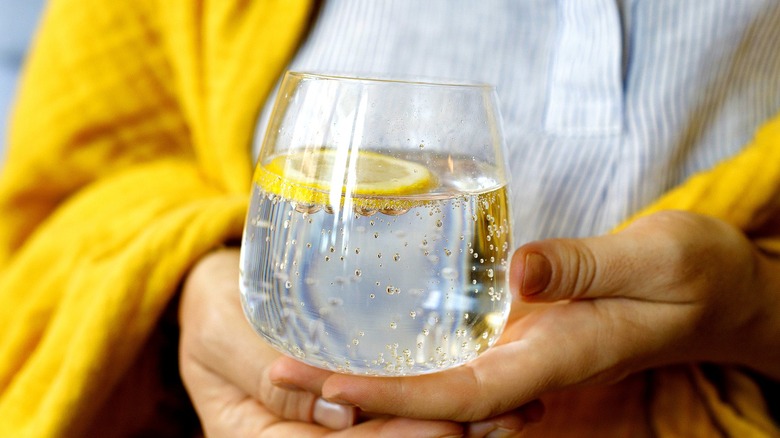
{"points": [[378, 233]]}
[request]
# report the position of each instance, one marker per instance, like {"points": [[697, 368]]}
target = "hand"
{"points": [[673, 287], [224, 365]]}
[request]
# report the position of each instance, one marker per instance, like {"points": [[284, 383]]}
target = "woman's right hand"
{"points": [[224, 366]]}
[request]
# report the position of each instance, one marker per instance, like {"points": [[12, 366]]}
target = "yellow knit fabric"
{"points": [[129, 160]]}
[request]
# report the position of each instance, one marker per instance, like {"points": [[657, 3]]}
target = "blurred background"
{"points": [[18, 19]]}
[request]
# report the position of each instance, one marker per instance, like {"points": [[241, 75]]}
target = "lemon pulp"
{"points": [[376, 180]]}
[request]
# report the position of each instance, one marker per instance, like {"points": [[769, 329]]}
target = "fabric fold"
{"points": [[101, 290]]}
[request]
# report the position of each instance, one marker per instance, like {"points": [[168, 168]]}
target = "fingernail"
{"points": [[332, 415], [338, 401], [536, 275]]}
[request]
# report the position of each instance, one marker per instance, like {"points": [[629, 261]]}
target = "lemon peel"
{"points": [[377, 181]]}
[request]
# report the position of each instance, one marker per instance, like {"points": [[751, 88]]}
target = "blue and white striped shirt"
{"points": [[606, 104]]}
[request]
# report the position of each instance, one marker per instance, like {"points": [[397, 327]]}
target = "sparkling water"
{"points": [[398, 291]]}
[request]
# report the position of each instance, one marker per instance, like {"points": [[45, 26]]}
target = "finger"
{"points": [[228, 412], [393, 427], [650, 255], [461, 394], [289, 373], [508, 423], [558, 347], [222, 342]]}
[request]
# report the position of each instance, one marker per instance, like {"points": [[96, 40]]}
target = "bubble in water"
{"points": [[365, 211], [439, 315], [307, 208], [287, 284], [393, 211]]}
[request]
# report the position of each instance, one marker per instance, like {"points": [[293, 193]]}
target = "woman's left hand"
{"points": [[672, 287]]}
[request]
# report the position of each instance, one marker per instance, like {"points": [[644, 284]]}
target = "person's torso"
{"points": [[606, 105]]}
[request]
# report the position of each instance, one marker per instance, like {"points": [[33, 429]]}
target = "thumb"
{"points": [[570, 269]]}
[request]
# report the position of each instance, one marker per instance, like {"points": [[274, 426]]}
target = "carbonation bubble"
{"points": [[424, 309], [365, 211], [394, 211]]}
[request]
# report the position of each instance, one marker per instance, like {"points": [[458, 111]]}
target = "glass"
{"points": [[378, 233]]}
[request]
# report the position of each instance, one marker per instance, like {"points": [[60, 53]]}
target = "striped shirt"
{"points": [[606, 104]]}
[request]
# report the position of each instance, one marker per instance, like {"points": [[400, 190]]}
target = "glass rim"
{"points": [[410, 80]]}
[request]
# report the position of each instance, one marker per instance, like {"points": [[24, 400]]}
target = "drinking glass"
{"points": [[378, 233]]}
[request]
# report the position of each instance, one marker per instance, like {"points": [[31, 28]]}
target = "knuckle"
{"points": [[578, 270], [684, 239], [464, 407]]}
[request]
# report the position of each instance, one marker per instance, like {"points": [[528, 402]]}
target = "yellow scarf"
{"points": [[129, 160]]}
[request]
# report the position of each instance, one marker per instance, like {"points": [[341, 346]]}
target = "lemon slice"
{"points": [[377, 181]]}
